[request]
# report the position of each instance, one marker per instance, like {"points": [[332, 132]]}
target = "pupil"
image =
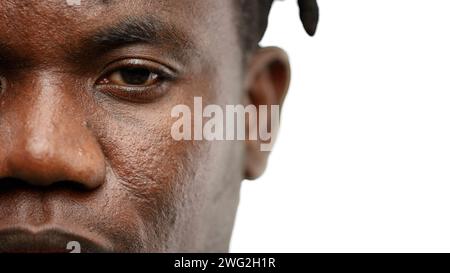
{"points": [[135, 76]]}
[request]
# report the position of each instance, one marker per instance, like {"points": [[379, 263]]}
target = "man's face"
{"points": [[86, 150]]}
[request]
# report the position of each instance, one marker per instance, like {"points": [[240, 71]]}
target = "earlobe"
{"points": [[267, 82]]}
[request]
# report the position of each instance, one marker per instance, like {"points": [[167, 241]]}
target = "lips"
{"points": [[50, 240]]}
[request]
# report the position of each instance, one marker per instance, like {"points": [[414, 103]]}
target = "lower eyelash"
{"points": [[146, 94]]}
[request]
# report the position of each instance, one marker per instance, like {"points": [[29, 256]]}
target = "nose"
{"points": [[47, 139]]}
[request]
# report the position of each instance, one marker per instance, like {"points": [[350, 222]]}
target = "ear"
{"points": [[266, 84]]}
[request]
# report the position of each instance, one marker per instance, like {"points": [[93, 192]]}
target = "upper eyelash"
{"points": [[162, 75], [137, 62]]}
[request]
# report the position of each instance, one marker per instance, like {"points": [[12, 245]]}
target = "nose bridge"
{"points": [[52, 142], [41, 131]]}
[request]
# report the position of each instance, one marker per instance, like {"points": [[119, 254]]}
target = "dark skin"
{"points": [[86, 152]]}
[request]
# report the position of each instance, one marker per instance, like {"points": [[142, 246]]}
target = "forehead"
{"points": [[57, 24], [43, 12]]}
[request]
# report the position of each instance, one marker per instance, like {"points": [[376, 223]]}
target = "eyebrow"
{"points": [[148, 30], [9, 58]]}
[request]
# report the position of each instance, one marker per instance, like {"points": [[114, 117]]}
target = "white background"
{"points": [[362, 162]]}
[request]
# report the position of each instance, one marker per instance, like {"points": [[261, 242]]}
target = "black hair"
{"points": [[253, 17]]}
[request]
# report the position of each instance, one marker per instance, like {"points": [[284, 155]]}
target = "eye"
{"points": [[131, 76], [135, 80]]}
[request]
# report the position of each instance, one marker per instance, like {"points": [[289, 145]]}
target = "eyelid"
{"points": [[163, 71]]}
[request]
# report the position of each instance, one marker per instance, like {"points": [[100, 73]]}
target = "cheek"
{"points": [[151, 173]]}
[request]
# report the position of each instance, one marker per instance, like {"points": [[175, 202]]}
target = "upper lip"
{"points": [[49, 240]]}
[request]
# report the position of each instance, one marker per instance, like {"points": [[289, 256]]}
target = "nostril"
{"points": [[12, 184]]}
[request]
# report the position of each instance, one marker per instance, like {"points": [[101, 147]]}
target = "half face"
{"points": [[86, 150]]}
